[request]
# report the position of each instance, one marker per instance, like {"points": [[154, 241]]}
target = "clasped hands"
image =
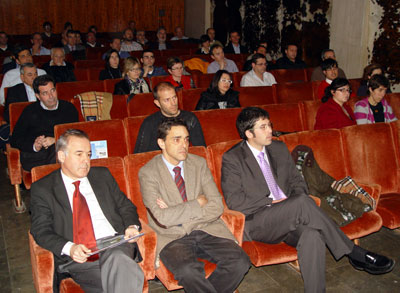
{"points": [[43, 142]]}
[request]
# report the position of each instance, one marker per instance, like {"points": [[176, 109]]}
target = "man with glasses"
{"points": [[220, 62], [148, 61], [259, 179], [258, 76]]}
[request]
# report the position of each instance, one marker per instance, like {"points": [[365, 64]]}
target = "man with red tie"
{"points": [[75, 205], [184, 208]]}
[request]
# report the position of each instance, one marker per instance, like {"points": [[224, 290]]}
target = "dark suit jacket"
{"points": [[15, 94], [154, 45], [9, 66], [51, 213], [230, 50]]}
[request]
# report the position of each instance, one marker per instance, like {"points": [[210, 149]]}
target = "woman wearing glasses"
{"points": [[177, 78], [335, 112], [131, 83], [220, 94]]}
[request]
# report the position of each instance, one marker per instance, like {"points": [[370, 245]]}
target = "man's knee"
{"points": [[311, 239]]}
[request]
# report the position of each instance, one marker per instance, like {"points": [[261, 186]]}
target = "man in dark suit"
{"points": [[259, 179], [234, 46], [161, 43], [64, 200], [22, 92]]}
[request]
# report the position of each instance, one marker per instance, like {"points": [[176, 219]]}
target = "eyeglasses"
{"points": [[226, 80], [345, 90], [264, 126], [136, 69], [177, 68]]}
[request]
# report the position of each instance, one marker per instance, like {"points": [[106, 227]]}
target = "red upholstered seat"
{"points": [[156, 80], [394, 101], [81, 74], [237, 77], [309, 110], [293, 92], [256, 95], [110, 130], [203, 80], [132, 126], [355, 84], [142, 104], [94, 63], [289, 75], [309, 71], [190, 98], [109, 84], [285, 117], [68, 90], [94, 73]]}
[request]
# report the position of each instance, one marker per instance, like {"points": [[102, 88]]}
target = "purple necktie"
{"points": [[269, 177]]}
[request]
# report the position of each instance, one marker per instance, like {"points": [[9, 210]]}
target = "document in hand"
{"points": [[110, 242]]}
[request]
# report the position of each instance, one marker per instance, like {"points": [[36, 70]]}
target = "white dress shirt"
{"points": [[30, 93], [171, 168], [251, 79]]}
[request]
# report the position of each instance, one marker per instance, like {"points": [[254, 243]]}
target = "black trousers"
{"points": [[180, 257], [299, 222]]}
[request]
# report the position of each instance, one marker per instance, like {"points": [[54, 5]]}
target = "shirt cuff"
{"points": [[67, 248], [34, 149]]}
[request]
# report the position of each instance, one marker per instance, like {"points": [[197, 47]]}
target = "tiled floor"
{"points": [[16, 275]]}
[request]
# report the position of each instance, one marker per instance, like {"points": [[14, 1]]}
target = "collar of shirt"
{"points": [[171, 168], [44, 107], [328, 81], [31, 93], [255, 153], [52, 63]]}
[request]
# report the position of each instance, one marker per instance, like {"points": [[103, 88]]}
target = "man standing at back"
{"points": [[166, 99], [184, 208]]}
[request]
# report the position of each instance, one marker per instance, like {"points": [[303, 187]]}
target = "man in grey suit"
{"points": [[259, 179], [64, 200], [184, 208]]}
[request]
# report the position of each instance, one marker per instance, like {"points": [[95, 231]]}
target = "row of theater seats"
{"points": [[338, 152]]}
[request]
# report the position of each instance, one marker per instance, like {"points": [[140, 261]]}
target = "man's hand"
{"points": [[202, 200], [279, 200], [146, 70], [48, 141], [222, 64], [161, 203], [130, 232], [38, 144], [79, 252]]}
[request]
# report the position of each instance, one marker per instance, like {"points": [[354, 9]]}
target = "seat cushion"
{"points": [[388, 209]]}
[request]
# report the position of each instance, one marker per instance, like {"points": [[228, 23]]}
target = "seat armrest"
{"points": [[234, 220], [373, 189], [147, 246], [14, 165], [316, 199]]}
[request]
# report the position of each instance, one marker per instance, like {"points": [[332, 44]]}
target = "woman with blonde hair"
{"points": [[132, 83]]}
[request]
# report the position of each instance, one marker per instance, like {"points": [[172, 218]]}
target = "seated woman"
{"points": [[369, 71], [204, 45], [335, 112], [177, 79], [375, 108], [132, 83], [111, 70], [220, 94]]}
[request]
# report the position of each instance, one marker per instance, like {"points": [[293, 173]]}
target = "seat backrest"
{"points": [[142, 104], [94, 73], [285, 117], [156, 80], [68, 90], [218, 125], [131, 127], [309, 71], [371, 155], [16, 110], [190, 98], [395, 127], [289, 75], [256, 95], [293, 92], [327, 147], [237, 77], [309, 113], [114, 164], [394, 101], [81, 74], [203, 80], [109, 84], [355, 84], [110, 130], [96, 63]]}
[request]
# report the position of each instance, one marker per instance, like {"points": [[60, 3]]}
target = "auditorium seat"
{"points": [[142, 104], [256, 95], [94, 73], [355, 84], [98, 63], [309, 71], [96, 53], [203, 80], [156, 80], [289, 75], [285, 117], [81, 74], [109, 84], [68, 90], [237, 77], [175, 52], [309, 110], [190, 98], [293, 92], [131, 130], [394, 101]]}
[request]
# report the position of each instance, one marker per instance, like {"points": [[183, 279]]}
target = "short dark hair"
{"points": [[62, 141], [70, 32], [290, 44], [47, 23], [171, 61], [18, 49], [213, 47], [34, 34], [67, 24], [370, 68], [325, 51], [204, 38], [248, 118], [147, 51], [92, 27], [378, 80], [256, 57], [336, 83], [162, 86], [328, 64], [167, 124], [217, 77], [234, 31], [42, 80]]}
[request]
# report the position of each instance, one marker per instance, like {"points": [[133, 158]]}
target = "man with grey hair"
{"points": [[76, 205], [22, 92], [318, 74], [58, 68], [161, 43]]}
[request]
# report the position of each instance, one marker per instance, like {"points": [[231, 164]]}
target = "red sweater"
{"points": [[331, 115], [321, 89], [185, 80]]}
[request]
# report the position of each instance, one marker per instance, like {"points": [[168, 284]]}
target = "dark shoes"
{"points": [[374, 264]]}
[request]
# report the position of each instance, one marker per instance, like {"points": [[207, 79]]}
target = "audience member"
{"points": [[78, 37], [370, 71], [258, 76], [290, 60], [149, 69], [317, 74], [330, 71], [260, 179], [4, 46], [219, 94], [91, 40], [165, 98], [33, 134], [132, 26], [188, 220], [93, 29], [22, 92], [116, 45], [37, 48], [47, 31], [161, 43], [72, 45], [260, 49], [220, 62], [179, 35], [64, 40], [22, 55], [68, 26], [211, 33], [129, 44], [132, 82], [335, 112], [74, 206], [58, 68], [176, 78], [112, 69], [234, 46], [141, 38], [375, 108], [204, 45]]}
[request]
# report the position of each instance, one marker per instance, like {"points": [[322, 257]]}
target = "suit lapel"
{"points": [[61, 194], [100, 191], [190, 178], [171, 189]]}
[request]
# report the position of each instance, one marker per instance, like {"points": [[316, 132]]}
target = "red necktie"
{"points": [[82, 222], [180, 183]]}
